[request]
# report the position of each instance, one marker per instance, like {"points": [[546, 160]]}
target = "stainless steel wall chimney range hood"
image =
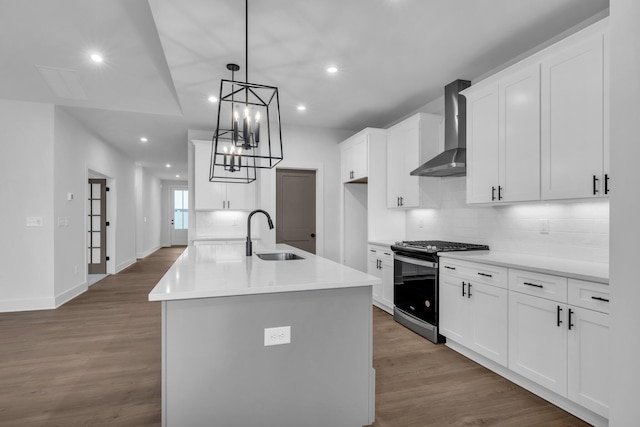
{"points": [[453, 160]]}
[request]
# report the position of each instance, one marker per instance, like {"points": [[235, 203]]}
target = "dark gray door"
{"points": [[97, 247], [296, 208]]}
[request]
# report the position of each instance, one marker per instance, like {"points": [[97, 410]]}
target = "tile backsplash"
{"points": [[576, 229]]}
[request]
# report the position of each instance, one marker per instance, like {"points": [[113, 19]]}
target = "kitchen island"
{"points": [[218, 369]]}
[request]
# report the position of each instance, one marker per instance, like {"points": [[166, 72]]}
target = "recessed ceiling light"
{"points": [[212, 99], [168, 165], [301, 108], [332, 69], [96, 57], [143, 139], [177, 176]]}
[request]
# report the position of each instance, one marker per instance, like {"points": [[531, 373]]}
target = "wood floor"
{"points": [[95, 361]]}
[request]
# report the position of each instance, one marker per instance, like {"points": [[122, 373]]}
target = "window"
{"points": [[181, 209]]}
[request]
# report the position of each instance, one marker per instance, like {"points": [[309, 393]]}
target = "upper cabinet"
{"points": [[354, 157], [217, 195], [538, 130], [409, 144], [573, 131], [503, 138]]}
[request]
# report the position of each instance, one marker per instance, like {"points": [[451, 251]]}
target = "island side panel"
{"points": [[218, 371]]}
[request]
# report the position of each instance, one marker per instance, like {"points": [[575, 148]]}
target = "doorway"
{"points": [[296, 208], [179, 216], [97, 241]]}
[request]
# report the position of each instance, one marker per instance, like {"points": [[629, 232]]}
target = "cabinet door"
{"points": [[387, 282], [360, 156], [572, 94], [454, 313], [410, 195], [520, 136], [372, 268], [488, 326], [537, 345], [589, 360], [346, 157], [208, 195], [241, 196], [483, 133], [395, 168]]}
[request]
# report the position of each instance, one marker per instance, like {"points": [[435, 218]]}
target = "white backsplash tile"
{"points": [[577, 229]]}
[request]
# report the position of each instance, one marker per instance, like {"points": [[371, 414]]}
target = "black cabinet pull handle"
{"points": [[450, 268], [485, 275], [558, 313], [387, 253], [595, 184], [606, 183], [533, 284], [372, 250], [463, 293], [570, 324], [499, 192], [401, 201], [398, 202], [469, 290], [493, 193], [600, 299]]}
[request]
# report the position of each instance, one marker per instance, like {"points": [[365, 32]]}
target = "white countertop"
{"points": [[383, 242], [581, 270], [219, 270]]}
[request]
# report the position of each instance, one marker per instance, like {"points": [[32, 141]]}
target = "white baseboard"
{"points": [[123, 265], [70, 294], [146, 253], [27, 304], [560, 401], [383, 306]]}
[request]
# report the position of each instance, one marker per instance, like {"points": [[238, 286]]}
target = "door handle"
{"points": [[570, 324], [559, 322], [313, 235]]}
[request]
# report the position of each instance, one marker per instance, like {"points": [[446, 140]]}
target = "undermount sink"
{"points": [[279, 256]]}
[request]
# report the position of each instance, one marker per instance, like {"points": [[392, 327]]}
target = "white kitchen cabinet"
{"points": [[473, 307], [216, 195], [537, 341], [354, 157], [380, 264], [409, 144], [503, 137], [574, 142], [589, 360]]}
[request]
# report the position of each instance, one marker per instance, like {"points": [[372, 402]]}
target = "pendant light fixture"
{"points": [[248, 133]]}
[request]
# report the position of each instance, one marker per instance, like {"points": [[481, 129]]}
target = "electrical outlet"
{"points": [[544, 226], [277, 336]]}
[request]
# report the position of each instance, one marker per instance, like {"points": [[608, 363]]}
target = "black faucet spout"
{"points": [[249, 245]]}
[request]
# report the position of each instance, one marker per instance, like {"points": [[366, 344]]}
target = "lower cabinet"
{"points": [[557, 334], [473, 313], [380, 264]]}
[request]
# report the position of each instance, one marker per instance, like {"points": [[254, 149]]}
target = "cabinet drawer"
{"points": [[538, 284], [475, 272], [594, 296], [382, 252]]}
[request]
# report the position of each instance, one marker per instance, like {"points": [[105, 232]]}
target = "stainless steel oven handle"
{"points": [[415, 261]]}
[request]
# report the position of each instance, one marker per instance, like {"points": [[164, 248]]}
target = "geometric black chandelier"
{"points": [[248, 133]]}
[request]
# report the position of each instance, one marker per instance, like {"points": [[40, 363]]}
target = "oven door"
{"points": [[415, 287]]}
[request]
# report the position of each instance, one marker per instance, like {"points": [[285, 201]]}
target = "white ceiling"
{"points": [[163, 58]]}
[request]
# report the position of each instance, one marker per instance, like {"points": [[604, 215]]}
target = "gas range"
{"points": [[434, 246]]}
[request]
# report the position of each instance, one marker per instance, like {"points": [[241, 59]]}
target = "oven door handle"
{"points": [[415, 261]]}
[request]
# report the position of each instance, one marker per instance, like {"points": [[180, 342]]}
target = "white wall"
{"points": [[625, 206], [303, 148], [148, 212], [26, 189], [577, 229]]}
